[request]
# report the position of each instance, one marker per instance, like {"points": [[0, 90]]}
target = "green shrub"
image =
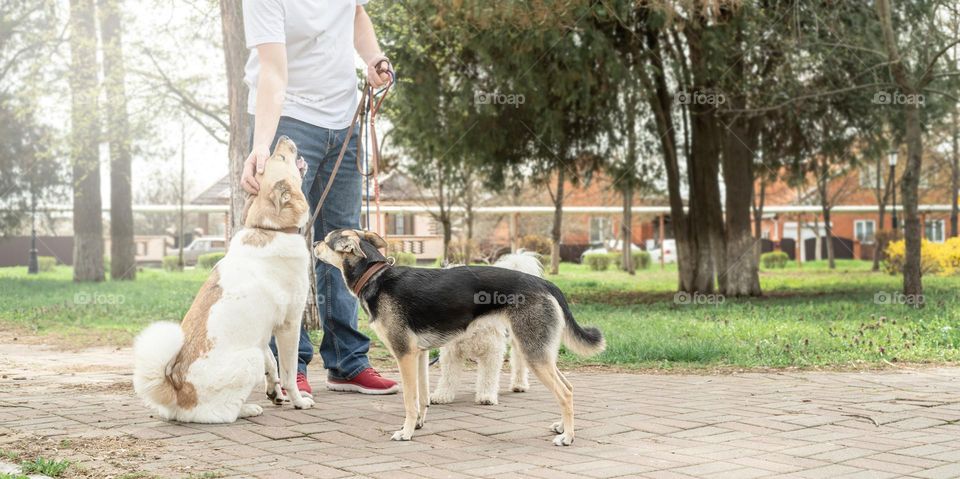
{"points": [[774, 259], [597, 261], [209, 260], [170, 263], [641, 260], [46, 263], [404, 259]]}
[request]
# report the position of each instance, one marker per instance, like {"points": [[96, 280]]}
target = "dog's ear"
{"points": [[348, 244], [373, 239], [280, 194]]}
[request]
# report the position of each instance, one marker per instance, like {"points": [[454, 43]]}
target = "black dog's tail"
{"points": [[582, 341]]}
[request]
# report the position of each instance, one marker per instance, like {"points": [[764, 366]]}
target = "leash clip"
{"points": [[391, 260]]}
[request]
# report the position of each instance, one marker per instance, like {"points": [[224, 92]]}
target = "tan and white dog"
{"points": [[486, 344], [203, 369]]}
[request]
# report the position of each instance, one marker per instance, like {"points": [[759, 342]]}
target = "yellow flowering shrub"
{"points": [[939, 258]]}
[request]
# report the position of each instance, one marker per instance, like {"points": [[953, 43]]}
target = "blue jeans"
{"points": [[343, 347]]}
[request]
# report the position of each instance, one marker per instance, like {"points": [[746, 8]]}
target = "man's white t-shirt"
{"points": [[321, 74]]}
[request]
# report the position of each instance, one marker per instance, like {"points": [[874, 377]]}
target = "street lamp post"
{"points": [[892, 158]]}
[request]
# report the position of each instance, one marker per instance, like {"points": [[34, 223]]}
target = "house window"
{"points": [[599, 229], [934, 231], [868, 176], [864, 230], [400, 224]]}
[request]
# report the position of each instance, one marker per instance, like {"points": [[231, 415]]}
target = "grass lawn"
{"points": [[810, 316]]}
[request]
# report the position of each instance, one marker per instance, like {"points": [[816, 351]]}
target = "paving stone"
{"points": [[791, 424]]}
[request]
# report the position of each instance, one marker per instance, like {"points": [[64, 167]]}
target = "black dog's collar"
{"points": [[365, 277]]}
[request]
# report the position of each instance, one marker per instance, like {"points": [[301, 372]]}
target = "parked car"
{"points": [[200, 246], [668, 249], [608, 247]]}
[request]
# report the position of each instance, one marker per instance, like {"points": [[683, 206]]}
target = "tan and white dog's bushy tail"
{"points": [[153, 351], [522, 262]]}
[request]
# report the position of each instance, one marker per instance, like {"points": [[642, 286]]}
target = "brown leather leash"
{"points": [[374, 108]]}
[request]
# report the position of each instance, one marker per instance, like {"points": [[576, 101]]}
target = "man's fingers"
{"points": [[251, 185]]}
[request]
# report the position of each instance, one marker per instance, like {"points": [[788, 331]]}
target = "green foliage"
{"points": [[641, 259], [47, 467], [209, 260], [46, 263], [404, 259], [597, 261], [774, 259], [811, 317], [171, 263], [6, 475]]}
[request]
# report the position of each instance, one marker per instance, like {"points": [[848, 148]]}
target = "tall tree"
{"points": [[123, 262], [235, 55], [84, 144], [913, 65]]}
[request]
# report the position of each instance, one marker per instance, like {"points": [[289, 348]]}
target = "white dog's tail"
{"points": [[522, 262], [153, 351]]}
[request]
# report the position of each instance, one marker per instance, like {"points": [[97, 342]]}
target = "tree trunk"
{"points": [[661, 103], [628, 185], [955, 175], [447, 236], [706, 214], [909, 185], [556, 232], [741, 275], [828, 229], [627, 230], [882, 197], [84, 148], [235, 55], [123, 260], [758, 219], [910, 182]]}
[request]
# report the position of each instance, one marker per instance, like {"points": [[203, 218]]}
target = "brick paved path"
{"points": [[878, 424]]}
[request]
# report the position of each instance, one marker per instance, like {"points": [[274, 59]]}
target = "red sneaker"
{"points": [[369, 381], [302, 385]]}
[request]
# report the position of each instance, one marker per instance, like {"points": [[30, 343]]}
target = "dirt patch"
{"points": [[90, 457], [102, 387]]}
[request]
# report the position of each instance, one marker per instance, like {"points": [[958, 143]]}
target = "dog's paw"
{"points": [[557, 427], [303, 403], [486, 400], [420, 422], [563, 440], [275, 394], [250, 410], [441, 398], [401, 436], [519, 387]]}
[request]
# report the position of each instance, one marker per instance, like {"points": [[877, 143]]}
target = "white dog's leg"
{"points": [[451, 368], [423, 383], [488, 373], [288, 339], [272, 378], [519, 377], [250, 410]]}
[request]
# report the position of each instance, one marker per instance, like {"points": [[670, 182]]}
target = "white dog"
{"points": [[203, 369], [485, 342]]}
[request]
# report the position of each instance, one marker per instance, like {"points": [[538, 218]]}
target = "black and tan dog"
{"points": [[415, 309]]}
